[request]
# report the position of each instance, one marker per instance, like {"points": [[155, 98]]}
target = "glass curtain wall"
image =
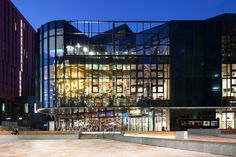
{"points": [[227, 116], [112, 85], [91, 73], [229, 81], [51, 49], [86, 71]]}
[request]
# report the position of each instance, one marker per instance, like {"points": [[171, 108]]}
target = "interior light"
{"points": [[91, 53], [216, 75], [8, 118], [3, 107], [35, 108], [78, 45], [59, 52], [85, 49], [215, 88], [68, 47], [20, 118]]}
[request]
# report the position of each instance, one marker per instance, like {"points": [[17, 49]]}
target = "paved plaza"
{"points": [[88, 148]]}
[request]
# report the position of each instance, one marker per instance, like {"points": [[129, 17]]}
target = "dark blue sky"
{"points": [[39, 12]]}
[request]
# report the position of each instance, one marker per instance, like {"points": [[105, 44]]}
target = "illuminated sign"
{"points": [[70, 87], [135, 112]]}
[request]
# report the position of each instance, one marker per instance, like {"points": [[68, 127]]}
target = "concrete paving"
{"points": [[88, 148]]}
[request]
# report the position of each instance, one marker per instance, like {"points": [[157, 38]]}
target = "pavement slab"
{"points": [[89, 148]]}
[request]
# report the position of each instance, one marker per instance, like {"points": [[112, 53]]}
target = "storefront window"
{"points": [[228, 81], [227, 118]]}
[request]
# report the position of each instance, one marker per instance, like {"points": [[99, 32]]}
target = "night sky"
{"points": [[39, 12]]}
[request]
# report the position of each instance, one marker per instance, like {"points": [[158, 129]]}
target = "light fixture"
{"points": [[216, 75], [3, 107], [78, 46], [20, 118], [70, 50], [85, 49], [91, 53], [215, 88], [35, 108], [68, 47], [8, 118]]}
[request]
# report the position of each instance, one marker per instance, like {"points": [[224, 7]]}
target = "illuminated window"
{"points": [[95, 89], [140, 89], [21, 58], [95, 66], [119, 89], [133, 66], [119, 66], [133, 89], [154, 89]]}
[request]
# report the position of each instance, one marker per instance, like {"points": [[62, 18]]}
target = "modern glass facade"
{"points": [[146, 76], [115, 72], [227, 116]]}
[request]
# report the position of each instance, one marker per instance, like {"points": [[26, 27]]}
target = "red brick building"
{"points": [[17, 61]]}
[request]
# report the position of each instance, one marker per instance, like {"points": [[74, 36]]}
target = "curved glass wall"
{"points": [[51, 45]]}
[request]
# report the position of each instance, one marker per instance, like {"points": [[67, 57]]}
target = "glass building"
{"points": [[143, 75]]}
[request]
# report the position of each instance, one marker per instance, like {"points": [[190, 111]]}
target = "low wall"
{"points": [[47, 135], [228, 136], [39, 137], [154, 133], [199, 146], [40, 132], [228, 131], [95, 135], [225, 133], [181, 135], [211, 132]]}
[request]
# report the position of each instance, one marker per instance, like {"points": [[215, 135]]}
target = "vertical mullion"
{"points": [[63, 62], [42, 70], [48, 67], [55, 67]]}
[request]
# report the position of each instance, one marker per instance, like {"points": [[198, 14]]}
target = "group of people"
{"points": [[14, 132]]}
